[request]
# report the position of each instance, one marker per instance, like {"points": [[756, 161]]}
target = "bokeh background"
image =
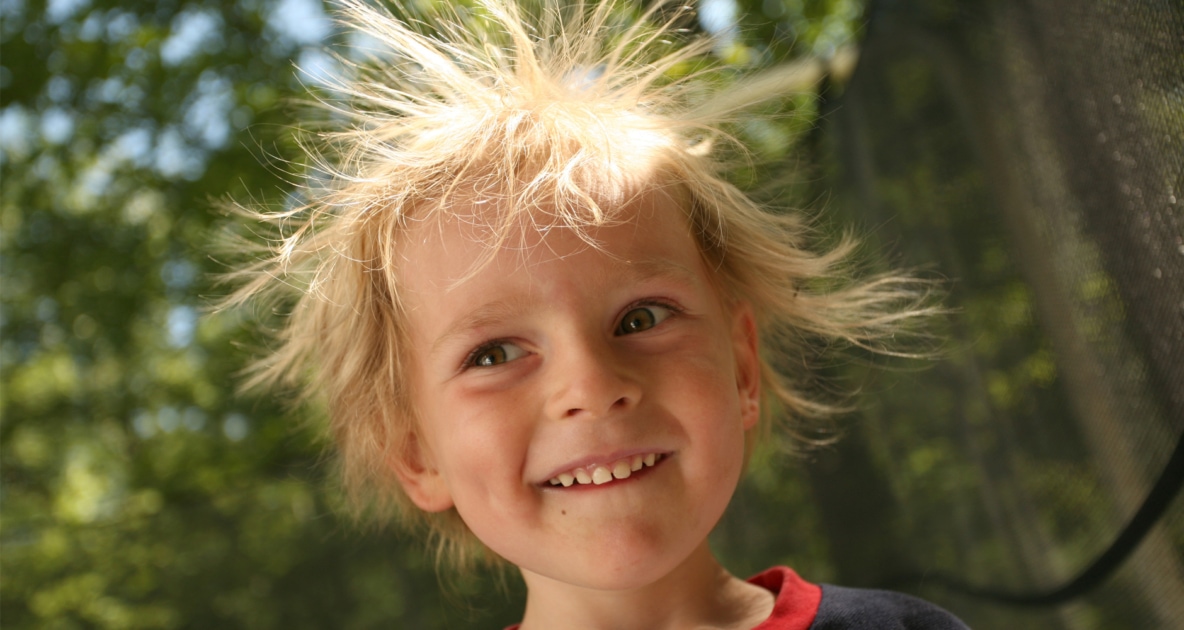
{"points": [[1030, 154]]}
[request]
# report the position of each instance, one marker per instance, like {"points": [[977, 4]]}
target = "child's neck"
{"points": [[699, 593]]}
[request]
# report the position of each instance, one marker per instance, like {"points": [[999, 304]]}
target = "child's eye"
{"points": [[642, 318], [495, 353]]}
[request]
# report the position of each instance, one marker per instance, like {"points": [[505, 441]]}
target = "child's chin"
{"points": [[612, 571]]}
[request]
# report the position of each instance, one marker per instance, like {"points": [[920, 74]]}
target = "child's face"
{"points": [[559, 356]]}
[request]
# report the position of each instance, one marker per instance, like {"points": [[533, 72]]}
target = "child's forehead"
{"points": [[477, 238], [497, 224]]}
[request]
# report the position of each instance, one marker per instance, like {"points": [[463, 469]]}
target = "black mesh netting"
{"points": [[1033, 154]]}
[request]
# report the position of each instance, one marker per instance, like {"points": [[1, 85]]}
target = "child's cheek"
{"points": [[487, 438]]}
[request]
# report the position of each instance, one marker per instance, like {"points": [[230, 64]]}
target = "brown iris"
{"points": [[637, 320]]}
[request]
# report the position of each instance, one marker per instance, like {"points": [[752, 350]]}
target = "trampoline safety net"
{"points": [[1032, 154]]}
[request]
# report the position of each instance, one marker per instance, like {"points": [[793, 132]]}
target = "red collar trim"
{"points": [[797, 600]]}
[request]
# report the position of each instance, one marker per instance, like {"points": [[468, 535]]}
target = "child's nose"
{"points": [[591, 381]]}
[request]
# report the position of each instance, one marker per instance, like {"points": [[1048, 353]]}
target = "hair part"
{"points": [[555, 118]]}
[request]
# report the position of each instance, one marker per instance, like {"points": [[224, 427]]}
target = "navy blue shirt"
{"points": [[800, 605]]}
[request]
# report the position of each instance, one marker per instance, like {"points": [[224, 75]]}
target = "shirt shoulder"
{"points": [[845, 608]]}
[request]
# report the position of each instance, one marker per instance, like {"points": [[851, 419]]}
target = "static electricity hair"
{"points": [[558, 115]]}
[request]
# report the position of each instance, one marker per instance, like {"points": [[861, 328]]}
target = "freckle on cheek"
{"points": [[563, 512]]}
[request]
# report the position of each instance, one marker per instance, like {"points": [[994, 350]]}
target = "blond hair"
{"points": [[559, 116]]}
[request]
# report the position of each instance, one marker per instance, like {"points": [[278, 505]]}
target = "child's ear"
{"points": [[419, 477], [746, 345]]}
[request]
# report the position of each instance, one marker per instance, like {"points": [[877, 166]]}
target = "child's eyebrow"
{"points": [[499, 311], [486, 315]]}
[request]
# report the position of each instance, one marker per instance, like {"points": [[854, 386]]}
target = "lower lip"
{"points": [[635, 475]]}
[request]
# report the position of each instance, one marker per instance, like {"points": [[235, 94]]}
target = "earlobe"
{"points": [[420, 479], [746, 345]]}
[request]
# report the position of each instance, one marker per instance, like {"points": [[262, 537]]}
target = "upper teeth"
{"points": [[604, 473]]}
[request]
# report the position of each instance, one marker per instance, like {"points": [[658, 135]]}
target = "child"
{"points": [[544, 324]]}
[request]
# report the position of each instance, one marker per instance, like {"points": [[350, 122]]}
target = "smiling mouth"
{"points": [[600, 474]]}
